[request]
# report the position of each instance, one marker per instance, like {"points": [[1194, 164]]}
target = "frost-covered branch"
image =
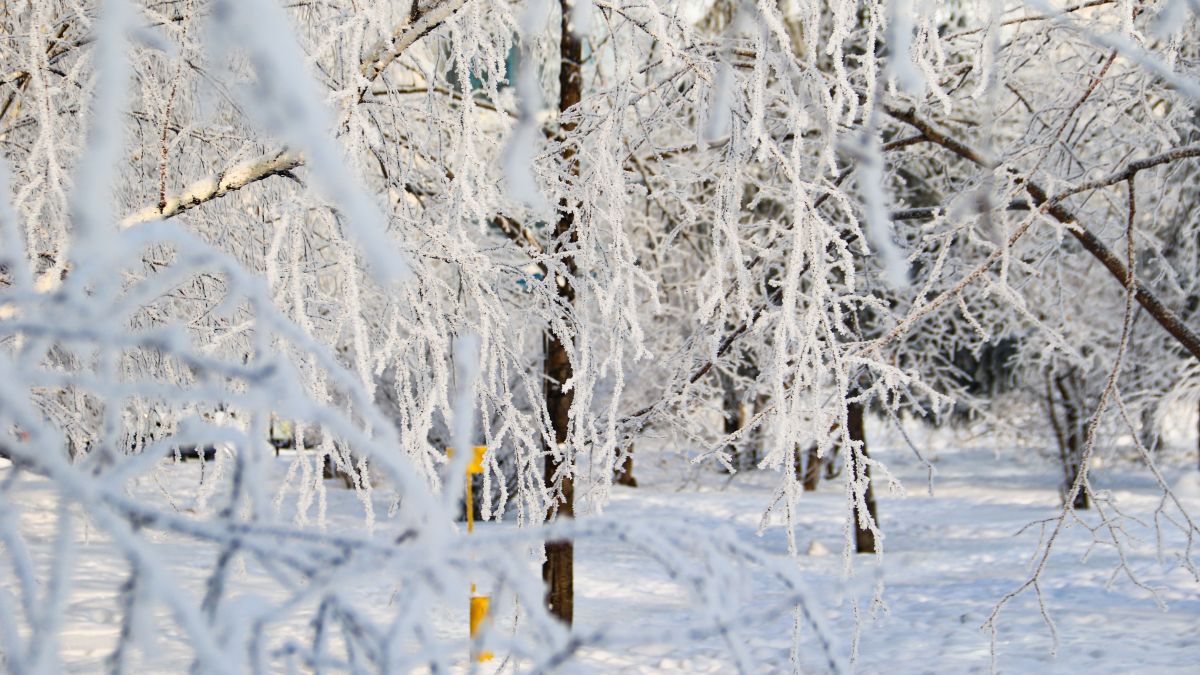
{"points": [[1165, 316], [205, 190], [420, 23], [236, 177]]}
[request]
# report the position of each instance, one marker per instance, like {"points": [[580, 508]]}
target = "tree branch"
{"points": [[229, 180], [246, 173], [1165, 316], [405, 35]]}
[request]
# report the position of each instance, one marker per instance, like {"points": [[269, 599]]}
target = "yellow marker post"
{"points": [[479, 603], [479, 614]]}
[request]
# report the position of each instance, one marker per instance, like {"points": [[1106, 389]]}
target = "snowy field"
{"points": [[948, 559]]}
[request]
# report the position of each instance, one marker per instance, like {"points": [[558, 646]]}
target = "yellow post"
{"points": [[479, 603], [479, 614]]}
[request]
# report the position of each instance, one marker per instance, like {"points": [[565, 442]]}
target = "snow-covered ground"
{"points": [[948, 559]]}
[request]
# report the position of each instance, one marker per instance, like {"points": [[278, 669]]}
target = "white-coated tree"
{"points": [[223, 212]]}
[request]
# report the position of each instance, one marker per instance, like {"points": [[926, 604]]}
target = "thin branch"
{"points": [[1165, 316]]}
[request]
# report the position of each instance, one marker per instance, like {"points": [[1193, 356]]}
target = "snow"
{"points": [[949, 558], [1187, 487], [739, 260]]}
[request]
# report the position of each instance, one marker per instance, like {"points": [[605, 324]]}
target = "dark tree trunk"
{"points": [[832, 468], [1150, 438], [812, 470], [864, 538], [758, 438], [1073, 434], [623, 474], [811, 476], [1059, 436], [330, 469], [558, 571], [732, 418]]}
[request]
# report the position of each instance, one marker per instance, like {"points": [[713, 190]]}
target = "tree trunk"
{"points": [[832, 469], [1059, 436], [623, 474], [812, 466], [558, 570], [758, 440], [864, 538], [812, 470], [1074, 433], [1150, 437], [732, 418]]}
